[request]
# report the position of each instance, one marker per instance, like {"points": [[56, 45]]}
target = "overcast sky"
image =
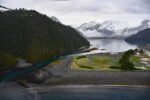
{"points": [[75, 12]]}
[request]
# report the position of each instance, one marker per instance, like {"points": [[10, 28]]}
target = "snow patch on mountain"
{"points": [[114, 25], [55, 19], [89, 26], [89, 30]]}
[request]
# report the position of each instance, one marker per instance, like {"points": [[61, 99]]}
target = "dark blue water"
{"points": [[99, 93]]}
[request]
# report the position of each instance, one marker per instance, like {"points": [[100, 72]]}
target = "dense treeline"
{"points": [[35, 37]]}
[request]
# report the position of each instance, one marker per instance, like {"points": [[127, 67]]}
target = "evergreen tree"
{"points": [[35, 37], [125, 63]]}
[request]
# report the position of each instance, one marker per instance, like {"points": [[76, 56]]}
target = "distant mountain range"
{"points": [[111, 29], [139, 35]]}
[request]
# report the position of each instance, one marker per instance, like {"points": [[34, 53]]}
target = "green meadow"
{"points": [[107, 62]]}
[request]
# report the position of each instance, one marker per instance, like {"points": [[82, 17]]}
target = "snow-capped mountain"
{"points": [[114, 25], [90, 26], [90, 29], [55, 19], [111, 29], [105, 29]]}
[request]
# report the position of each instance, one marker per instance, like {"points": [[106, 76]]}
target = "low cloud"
{"points": [[73, 11]]}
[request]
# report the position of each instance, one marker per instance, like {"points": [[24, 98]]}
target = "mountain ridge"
{"points": [[141, 38], [111, 29]]}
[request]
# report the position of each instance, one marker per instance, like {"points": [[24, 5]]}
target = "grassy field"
{"points": [[95, 62], [106, 62]]}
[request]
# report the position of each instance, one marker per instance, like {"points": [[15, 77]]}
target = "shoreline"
{"points": [[85, 86], [130, 79], [62, 74], [40, 89]]}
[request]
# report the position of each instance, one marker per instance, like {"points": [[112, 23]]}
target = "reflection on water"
{"points": [[111, 45]]}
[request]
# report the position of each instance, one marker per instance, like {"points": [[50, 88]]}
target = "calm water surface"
{"points": [[95, 93], [111, 45], [73, 92]]}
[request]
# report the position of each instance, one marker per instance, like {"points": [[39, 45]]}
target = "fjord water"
{"points": [[111, 45], [71, 92], [97, 93]]}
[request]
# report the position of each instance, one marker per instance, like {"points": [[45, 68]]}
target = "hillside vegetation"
{"points": [[34, 37]]}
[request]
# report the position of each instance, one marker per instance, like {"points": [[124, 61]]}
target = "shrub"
{"points": [[7, 61], [80, 57]]}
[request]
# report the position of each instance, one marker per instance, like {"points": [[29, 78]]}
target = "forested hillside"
{"points": [[35, 37], [141, 38]]}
